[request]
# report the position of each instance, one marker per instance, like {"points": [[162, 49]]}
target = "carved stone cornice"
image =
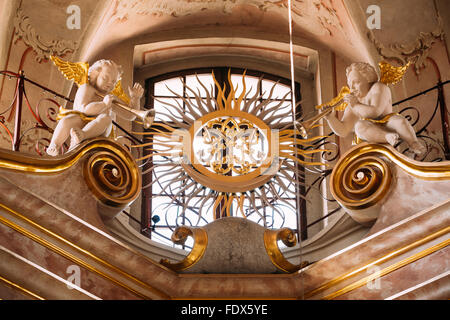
{"points": [[416, 51], [25, 31]]}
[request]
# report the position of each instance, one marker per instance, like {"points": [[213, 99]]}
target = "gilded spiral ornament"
{"points": [[180, 236], [112, 179], [360, 180]]}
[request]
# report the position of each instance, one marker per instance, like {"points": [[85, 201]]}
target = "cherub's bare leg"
{"points": [[97, 127], [62, 132], [402, 126], [392, 138], [76, 136], [93, 129], [374, 133]]}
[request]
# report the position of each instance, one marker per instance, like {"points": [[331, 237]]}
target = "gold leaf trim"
{"points": [[383, 259], [288, 237], [180, 236], [387, 270], [74, 258], [23, 290], [362, 177]]}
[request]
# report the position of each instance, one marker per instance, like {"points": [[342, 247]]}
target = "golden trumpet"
{"points": [[336, 103], [146, 116]]}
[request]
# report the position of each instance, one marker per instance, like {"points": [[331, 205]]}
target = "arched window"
{"points": [[163, 202]]}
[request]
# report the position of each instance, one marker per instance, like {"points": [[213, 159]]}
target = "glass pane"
{"points": [[279, 113], [159, 206], [174, 84], [164, 179], [191, 219], [279, 91], [282, 215], [164, 105], [193, 83], [162, 235]]}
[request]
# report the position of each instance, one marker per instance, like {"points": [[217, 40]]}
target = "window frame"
{"points": [[221, 75]]}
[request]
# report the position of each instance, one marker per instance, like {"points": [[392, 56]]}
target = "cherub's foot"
{"points": [[76, 136], [52, 150], [392, 138], [418, 148]]}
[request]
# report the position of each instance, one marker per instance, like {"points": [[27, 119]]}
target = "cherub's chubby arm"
{"points": [[346, 126], [84, 101], [379, 102], [135, 102]]}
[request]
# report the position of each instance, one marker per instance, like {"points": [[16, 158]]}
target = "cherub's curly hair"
{"points": [[365, 69], [96, 68]]}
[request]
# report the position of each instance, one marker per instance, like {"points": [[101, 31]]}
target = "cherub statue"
{"points": [[92, 115], [369, 113]]}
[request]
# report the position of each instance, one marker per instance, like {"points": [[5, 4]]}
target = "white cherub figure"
{"points": [[92, 116], [369, 113]]}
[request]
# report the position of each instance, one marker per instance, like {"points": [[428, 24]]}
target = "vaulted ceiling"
{"points": [[141, 26], [316, 22]]}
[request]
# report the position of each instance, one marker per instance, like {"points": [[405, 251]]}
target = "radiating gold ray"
{"points": [[178, 119], [237, 103], [287, 143], [152, 133], [220, 94], [229, 107], [290, 133], [241, 205], [216, 204], [229, 204], [231, 95], [157, 154], [159, 151], [159, 144], [286, 155], [202, 205], [169, 128], [303, 152]]}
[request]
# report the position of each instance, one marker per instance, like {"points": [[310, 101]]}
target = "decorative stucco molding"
{"points": [[416, 51], [43, 48], [319, 15]]}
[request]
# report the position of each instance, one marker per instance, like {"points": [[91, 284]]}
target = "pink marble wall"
{"points": [[203, 286], [66, 190], [437, 289], [403, 278], [96, 242], [376, 246], [409, 195], [8, 293], [58, 265]]}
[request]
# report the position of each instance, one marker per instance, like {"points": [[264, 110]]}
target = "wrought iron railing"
{"points": [[17, 135], [441, 147]]}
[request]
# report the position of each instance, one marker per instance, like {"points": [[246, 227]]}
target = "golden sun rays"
{"points": [[227, 152]]}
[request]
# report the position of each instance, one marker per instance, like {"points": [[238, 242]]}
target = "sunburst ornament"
{"points": [[227, 152]]}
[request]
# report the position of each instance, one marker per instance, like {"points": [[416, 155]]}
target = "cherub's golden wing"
{"points": [[119, 93], [391, 74], [76, 71]]}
